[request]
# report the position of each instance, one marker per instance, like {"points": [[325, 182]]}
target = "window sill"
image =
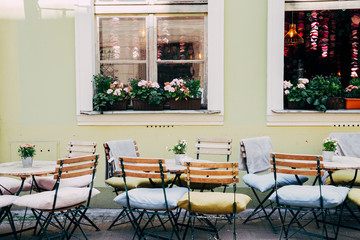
{"points": [[336, 118], [162, 118]]}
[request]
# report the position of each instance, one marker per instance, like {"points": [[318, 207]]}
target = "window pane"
{"points": [[122, 38], [122, 72], [167, 72], [180, 38]]}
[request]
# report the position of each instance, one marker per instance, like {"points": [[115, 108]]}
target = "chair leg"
{"points": [[12, 224], [261, 205]]}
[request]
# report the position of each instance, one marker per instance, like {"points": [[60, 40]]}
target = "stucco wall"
{"points": [[37, 87]]}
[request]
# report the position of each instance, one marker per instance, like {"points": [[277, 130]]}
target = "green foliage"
{"points": [[353, 90], [330, 144], [355, 82], [107, 92], [194, 86], [147, 91], [102, 83], [26, 150]]}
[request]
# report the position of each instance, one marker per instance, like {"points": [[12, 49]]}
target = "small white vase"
{"points": [[178, 157], [27, 162], [328, 155]]}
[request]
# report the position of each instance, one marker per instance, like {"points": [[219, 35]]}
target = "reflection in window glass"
{"points": [[122, 38], [180, 38], [123, 72]]}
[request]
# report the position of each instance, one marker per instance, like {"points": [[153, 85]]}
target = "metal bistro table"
{"points": [[16, 169], [342, 163]]}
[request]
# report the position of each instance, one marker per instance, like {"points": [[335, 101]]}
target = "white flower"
{"points": [[179, 147], [300, 85], [286, 92], [117, 92], [303, 80], [109, 91]]}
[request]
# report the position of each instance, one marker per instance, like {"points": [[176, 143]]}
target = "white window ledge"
{"points": [[336, 118], [161, 118]]}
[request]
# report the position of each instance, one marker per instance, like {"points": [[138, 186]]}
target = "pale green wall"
{"points": [[37, 88]]}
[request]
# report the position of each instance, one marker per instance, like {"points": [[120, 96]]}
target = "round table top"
{"points": [[17, 169], [342, 162]]}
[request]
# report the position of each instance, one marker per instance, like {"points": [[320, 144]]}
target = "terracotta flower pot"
{"points": [[144, 105], [352, 103], [190, 104]]}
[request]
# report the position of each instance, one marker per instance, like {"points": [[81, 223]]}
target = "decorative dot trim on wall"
{"points": [[346, 125], [159, 126]]}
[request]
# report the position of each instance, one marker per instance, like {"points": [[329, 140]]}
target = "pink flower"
{"points": [[109, 91], [286, 92], [303, 80], [300, 85], [287, 84], [354, 74], [172, 89], [127, 89], [155, 85], [117, 92]]}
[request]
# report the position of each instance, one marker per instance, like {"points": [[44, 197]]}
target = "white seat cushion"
{"points": [[12, 185], [309, 196], [265, 182], [7, 200], [67, 196], [152, 198], [48, 182]]}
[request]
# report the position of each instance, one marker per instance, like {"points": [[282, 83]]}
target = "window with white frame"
{"points": [[156, 47], [333, 53], [156, 40]]}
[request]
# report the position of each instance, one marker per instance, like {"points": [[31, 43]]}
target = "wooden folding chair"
{"points": [[210, 208], [149, 203], [6, 202], [300, 200], [70, 202], [80, 148]]}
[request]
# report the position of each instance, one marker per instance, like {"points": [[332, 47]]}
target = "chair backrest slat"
{"points": [[213, 146], [213, 152], [80, 148], [220, 146], [77, 166], [223, 173], [142, 167], [297, 164], [215, 140]]}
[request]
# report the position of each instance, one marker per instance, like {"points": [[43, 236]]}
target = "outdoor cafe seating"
{"points": [[297, 201], [254, 158], [71, 203]]}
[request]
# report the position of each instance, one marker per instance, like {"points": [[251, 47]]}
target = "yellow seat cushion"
{"points": [[344, 177], [214, 202], [194, 185], [354, 195], [132, 182]]}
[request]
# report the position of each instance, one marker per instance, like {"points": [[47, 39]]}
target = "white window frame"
{"points": [[276, 115], [85, 41]]}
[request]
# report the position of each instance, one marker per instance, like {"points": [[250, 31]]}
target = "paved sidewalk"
{"points": [[258, 229]]}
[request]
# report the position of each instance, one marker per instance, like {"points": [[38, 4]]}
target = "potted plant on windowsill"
{"points": [[352, 94], [296, 95], [183, 94], [334, 92], [109, 94], [146, 95]]}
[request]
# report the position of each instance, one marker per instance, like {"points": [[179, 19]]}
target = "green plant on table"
{"points": [[26, 150], [330, 144], [179, 148]]}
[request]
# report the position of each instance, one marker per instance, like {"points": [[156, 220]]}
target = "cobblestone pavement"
{"points": [[258, 229]]}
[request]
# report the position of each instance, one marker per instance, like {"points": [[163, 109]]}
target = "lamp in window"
{"points": [[292, 37]]}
